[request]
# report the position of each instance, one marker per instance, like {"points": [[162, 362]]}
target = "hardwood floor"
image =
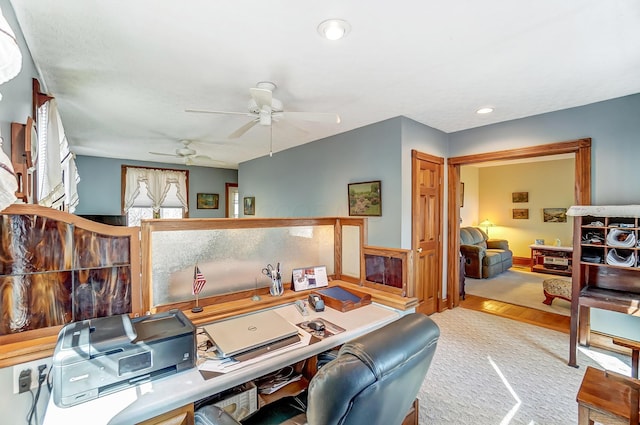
{"points": [[532, 316]]}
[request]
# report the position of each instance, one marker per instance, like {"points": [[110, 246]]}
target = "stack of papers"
{"points": [[274, 381]]}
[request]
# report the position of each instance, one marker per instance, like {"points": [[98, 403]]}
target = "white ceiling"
{"points": [[123, 72]]}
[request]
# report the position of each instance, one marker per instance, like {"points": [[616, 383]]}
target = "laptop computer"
{"points": [[251, 335]]}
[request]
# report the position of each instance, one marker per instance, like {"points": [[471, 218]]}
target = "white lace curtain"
{"points": [[57, 174], [157, 184]]}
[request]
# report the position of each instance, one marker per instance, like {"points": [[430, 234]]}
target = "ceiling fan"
{"points": [[189, 154], [264, 109]]}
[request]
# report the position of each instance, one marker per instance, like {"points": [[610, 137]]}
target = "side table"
{"points": [[551, 259]]}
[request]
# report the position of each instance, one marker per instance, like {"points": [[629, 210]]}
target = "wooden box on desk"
{"points": [[341, 299]]}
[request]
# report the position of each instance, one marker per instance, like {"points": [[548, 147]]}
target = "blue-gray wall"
{"points": [[99, 188], [613, 125], [311, 180]]}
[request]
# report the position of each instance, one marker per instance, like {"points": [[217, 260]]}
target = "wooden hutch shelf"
{"points": [[605, 240]]}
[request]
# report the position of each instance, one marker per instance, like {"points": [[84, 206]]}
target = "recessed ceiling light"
{"points": [[484, 111], [334, 29]]}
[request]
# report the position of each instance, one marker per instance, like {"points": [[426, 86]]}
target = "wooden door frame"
{"points": [[582, 193], [417, 155]]}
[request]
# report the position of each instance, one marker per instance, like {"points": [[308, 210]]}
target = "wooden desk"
{"points": [[146, 401], [602, 400]]}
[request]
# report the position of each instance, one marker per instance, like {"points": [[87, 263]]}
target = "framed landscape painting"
{"points": [[208, 201], [365, 199], [521, 213], [554, 215], [520, 197]]}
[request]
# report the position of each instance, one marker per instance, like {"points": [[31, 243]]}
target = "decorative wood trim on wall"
{"points": [[382, 257]]}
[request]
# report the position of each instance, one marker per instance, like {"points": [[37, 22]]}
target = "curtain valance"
{"points": [[157, 184]]}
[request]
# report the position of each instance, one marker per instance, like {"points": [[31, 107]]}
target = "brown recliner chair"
{"points": [[484, 257], [373, 380]]}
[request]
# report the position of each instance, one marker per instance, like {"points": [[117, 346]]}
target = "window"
{"points": [[136, 214], [154, 193], [57, 176]]}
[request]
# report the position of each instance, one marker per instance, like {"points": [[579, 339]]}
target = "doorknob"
{"points": [[419, 250]]}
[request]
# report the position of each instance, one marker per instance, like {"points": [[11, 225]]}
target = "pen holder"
{"points": [[276, 287]]}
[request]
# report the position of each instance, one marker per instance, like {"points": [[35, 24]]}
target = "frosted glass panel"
{"points": [[351, 251], [231, 260]]}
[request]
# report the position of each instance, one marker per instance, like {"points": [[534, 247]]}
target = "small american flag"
{"points": [[198, 280]]}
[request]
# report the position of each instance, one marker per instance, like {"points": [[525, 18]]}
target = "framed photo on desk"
{"points": [[309, 278]]}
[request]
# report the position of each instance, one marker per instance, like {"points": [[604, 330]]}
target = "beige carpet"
{"points": [[520, 287], [488, 370]]}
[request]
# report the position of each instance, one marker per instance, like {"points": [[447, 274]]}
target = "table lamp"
{"points": [[486, 224]]}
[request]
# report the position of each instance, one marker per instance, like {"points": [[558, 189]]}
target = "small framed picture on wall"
{"points": [[517, 197], [365, 199], [250, 205], [208, 201], [521, 213]]}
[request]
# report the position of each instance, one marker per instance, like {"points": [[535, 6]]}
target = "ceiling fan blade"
{"points": [[261, 96], [313, 116], [164, 154], [287, 126], [201, 111], [239, 132], [208, 158]]}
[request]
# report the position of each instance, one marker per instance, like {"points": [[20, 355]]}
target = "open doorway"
{"points": [[507, 200], [232, 207], [581, 149]]}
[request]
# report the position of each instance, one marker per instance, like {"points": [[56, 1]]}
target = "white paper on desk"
{"points": [[276, 387], [224, 366], [217, 365]]}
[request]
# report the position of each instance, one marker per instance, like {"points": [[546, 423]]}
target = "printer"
{"points": [[96, 357]]}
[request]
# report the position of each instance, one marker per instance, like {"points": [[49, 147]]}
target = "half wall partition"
{"points": [[231, 254]]}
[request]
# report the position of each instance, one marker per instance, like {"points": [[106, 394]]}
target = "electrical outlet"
{"points": [[32, 366], [24, 381]]}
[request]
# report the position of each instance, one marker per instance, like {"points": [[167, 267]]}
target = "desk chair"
{"points": [[373, 380]]}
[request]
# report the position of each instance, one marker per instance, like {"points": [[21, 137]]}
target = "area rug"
{"points": [[489, 370], [520, 287]]}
